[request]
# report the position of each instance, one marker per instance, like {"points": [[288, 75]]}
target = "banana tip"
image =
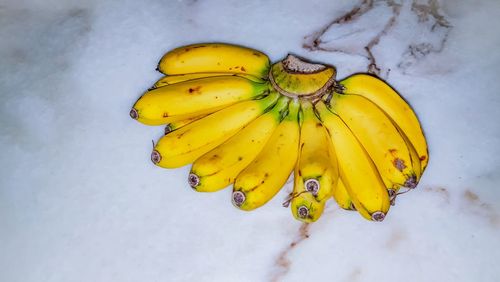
{"points": [[168, 129], [378, 216], [134, 114], [411, 182], [302, 211], [238, 198], [312, 185], [155, 157], [193, 180]]}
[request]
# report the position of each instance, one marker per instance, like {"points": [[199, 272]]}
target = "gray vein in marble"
{"points": [[282, 263], [430, 22], [438, 26]]}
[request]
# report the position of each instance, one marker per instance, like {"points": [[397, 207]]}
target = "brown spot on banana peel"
{"points": [[194, 90], [399, 164]]}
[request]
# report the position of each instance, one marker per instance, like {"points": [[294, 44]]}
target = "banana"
{"points": [[393, 105], [193, 98], [174, 125], [380, 138], [316, 173], [185, 145], [267, 174], [214, 57], [172, 79], [218, 168], [342, 197], [357, 171]]}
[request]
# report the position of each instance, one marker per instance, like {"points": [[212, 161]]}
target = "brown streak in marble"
{"points": [[372, 66], [395, 240], [420, 50], [443, 192], [355, 275], [313, 41], [282, 262], [480, 208]]}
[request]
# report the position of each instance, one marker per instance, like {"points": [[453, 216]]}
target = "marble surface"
{"points": [[81, 201]]}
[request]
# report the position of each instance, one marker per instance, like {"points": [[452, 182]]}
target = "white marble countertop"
{"points": [[81, 201]]}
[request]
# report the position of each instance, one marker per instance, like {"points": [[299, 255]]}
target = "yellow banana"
{"points": [[214, 57], [380, 138], [357, 171], [316, 171], [342, 197], [194, 97], [172, 79], [294, 77], [393, 105], [267, 174], [189, 142], [174, 125], [218, 168]]}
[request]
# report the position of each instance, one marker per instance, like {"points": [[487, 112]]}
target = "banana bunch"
{"points": [[245, 123]]}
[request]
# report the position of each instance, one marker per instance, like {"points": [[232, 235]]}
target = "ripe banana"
{"points": [[174, 125], [267, 174], [189, 142], [393, 105], [342, 197], [173, 79], [193, 98], [380, 138], [214, 57], [316, 173], [218, 168], [357, 171]]}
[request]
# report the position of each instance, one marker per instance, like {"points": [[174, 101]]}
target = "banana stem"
{"points": [[295, 65]]}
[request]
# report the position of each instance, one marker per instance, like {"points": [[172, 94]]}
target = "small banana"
{"points": [[214, 57], [316, 172], [218, 168], [174, 125], [357, 171], [342, 197], [193, 98], [173, 79], [266, 175], [394, 105], [380, 138], [185, 145]]}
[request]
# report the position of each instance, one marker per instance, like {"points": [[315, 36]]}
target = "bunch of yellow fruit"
{"points": [[243, 122]]}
